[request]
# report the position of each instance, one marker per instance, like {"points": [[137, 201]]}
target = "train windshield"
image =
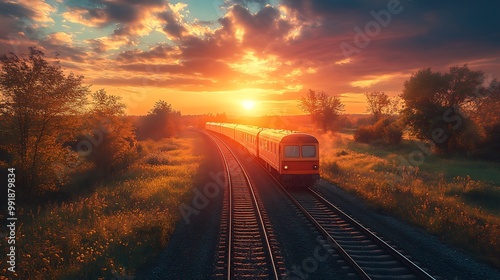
{"points": [[292, 151], [308, 151]]}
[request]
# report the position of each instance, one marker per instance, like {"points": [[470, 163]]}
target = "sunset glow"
{"points": [[202, 56], [248, 104]]}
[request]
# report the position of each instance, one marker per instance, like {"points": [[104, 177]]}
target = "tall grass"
{"points": [[460, 210], [116, 229]]}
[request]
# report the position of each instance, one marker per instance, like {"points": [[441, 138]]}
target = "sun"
{"points": [[248, 104]]}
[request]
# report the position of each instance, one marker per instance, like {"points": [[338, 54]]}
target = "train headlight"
{"points": [[285, 167], [315, 166]]}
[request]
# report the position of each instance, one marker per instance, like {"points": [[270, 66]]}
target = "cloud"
{"points": [[173, 20], [15, 10], [282, 49], [60, 38], [102, 13], [159, 53], [37, 11], [87, 17], [104, 44]]}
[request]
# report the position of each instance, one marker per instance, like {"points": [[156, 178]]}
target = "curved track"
{"points": [[247, 248], [367, 254]]}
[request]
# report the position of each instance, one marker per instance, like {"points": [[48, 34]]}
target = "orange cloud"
{"points": [[60, 38], [92, 18]]}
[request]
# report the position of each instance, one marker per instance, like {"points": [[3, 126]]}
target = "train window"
{"points": [[308, 151], [292, 151]]}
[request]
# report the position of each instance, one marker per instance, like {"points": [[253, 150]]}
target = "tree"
{"points": [[486, 109], [380, 104], [322, 108], [435, 105], [114, 139], [486, 113], [161, 122], [37, 98]]}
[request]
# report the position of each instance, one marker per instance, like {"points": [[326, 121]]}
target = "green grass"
{"points": [[455, 198], [117, 228], [453, 166]]}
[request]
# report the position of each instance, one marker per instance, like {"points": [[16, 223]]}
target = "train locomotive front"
{"points": [[292, 156]]}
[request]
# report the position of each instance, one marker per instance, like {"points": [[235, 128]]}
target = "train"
{"points": [[293, 157]]}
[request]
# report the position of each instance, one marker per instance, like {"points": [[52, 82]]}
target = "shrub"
{"points": [[383, 131], [380, 126], [365, 134], [393, 134]]}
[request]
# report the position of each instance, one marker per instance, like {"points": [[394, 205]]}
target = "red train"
{"points": [[292, 156]]}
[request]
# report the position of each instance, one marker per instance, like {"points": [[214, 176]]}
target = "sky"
{"points": [[252, 57]]}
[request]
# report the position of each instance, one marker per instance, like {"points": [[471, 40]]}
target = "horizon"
{"points": [[251, 58]]}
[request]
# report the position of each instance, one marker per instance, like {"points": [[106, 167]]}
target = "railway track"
{"points": [[367, 254], [247, 247]]}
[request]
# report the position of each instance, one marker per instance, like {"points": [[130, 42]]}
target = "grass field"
{"points": [[116, 229], [455, 198]]}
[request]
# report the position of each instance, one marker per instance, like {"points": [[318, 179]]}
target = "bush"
{"points": [[393, 134], [380, 126], [384, 130], [365, 134]]}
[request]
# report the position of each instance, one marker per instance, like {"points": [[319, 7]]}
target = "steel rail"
{"points": [[419, 272], [274, 272], [400, 257]]}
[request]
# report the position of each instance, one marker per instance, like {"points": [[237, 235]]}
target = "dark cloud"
{"points": [[106, 12], [158, 52], [119, 12], [10, 9], [261, 29], [221, 46], [172, 27]]}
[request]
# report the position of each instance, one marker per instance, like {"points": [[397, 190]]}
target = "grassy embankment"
{"points": [[117, 228], [455, 198]]}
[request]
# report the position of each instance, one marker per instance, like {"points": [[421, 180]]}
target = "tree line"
{"points": [[53, 126], [455, 111]]}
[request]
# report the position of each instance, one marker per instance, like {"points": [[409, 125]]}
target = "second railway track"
{"points": [[247, 248], [367, 254]]}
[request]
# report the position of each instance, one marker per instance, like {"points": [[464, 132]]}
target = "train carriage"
{"points": [[248, 136], [228, 129], [213, 126]]}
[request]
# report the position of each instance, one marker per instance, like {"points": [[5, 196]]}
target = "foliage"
{"points": [[393, 134], [115, 230], [114, 138], [202, 120], [364, 134], [486, 116], [380, 104], [37, 98], [385, 129], [323, 108], [435, 105], [161, 122]]}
